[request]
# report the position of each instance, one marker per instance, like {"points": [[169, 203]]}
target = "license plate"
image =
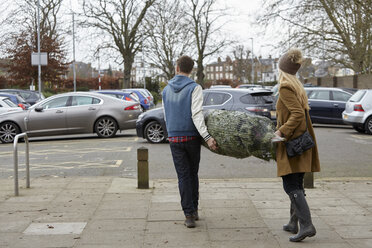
{"points": [[345, 116], [273, 113]]}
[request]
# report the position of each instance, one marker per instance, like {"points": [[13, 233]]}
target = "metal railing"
{"points": [[15, 157]]}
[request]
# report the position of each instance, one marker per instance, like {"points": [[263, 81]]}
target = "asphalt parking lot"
{"points": [[343, 153]]}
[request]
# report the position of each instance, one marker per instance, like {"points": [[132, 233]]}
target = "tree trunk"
{"points": [[200, 73], [128, 63]]}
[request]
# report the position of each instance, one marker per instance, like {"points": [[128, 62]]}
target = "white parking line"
{"points": [[70, 165], [363, 137]]}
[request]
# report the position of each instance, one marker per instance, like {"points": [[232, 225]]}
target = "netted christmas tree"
{"points": [[241, 135]]}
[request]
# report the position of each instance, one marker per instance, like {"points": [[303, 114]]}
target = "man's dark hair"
{"points": [[185, 63]]}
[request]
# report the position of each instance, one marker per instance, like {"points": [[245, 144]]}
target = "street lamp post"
{"points": [[38, 45], [252, 61], [73, 50], [99, 72]]}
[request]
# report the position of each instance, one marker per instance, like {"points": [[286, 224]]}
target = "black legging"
{"points": [[293, 182]]}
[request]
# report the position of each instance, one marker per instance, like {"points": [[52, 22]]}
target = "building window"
{"points": [[221, 68], [221, 75], [231, 68], [212, 76]]}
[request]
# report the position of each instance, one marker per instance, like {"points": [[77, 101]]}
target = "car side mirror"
{"points": [[39, 109]]}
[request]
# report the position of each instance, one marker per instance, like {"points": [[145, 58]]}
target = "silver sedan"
{"points": [[71, 113]]}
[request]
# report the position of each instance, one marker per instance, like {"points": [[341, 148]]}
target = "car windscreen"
{"points": [[26, 95], [357, 96], [9, 102]]}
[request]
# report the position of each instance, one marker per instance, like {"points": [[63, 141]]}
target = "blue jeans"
{"points": [[186, 158]]}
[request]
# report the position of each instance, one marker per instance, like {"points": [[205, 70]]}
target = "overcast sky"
{"points": [[240, 26], [243, 26]]}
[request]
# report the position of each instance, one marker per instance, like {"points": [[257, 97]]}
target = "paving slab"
{"points": [[177, 239], [45, 241], [124, 225], [57, 228], [174, 226], [349, 232], [126, 239], [360, 243], [233, 213]]}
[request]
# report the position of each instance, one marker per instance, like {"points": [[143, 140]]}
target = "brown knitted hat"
{"points": [[291, 61]]}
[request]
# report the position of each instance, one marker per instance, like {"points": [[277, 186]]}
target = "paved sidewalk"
{"points": [[111, 212]]}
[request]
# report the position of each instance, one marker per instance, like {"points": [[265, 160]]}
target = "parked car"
{"points": [[220, 87], [147, 94], [6, 105], [327, 104], [151, 125], [71, 113], [127, 96], [144, 101], [30, 96], [16, 99], [358, 111], [249, 86]]}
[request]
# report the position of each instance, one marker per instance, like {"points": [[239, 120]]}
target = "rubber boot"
{"points": [[292, 225], [302, 211]]}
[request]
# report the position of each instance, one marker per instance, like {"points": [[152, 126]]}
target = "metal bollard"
{"points": [[309, 180], [143, 168], [15, 158]]}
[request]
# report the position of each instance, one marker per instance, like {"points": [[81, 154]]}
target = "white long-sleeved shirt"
{"points": [[197, 112]]}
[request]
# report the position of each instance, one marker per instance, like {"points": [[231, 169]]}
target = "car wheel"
{"points": [[8, 130], [106, 127], [154, 132], [368, 125], [359, 129]]}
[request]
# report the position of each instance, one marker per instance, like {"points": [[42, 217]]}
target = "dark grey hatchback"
{"points": [[151, 125]]}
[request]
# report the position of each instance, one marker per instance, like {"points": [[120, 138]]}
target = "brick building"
{"points": [[220, 70], [265, 70]]}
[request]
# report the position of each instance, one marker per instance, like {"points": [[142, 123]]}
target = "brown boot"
{"points": [[190, 221], [196, 215]]}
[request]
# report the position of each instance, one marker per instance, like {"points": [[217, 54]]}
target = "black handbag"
{"points": [[297, 146]]}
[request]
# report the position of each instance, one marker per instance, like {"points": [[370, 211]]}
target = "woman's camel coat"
{"points": [[292, 123]]}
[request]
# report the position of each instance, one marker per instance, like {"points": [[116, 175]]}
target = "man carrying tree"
{"points": [[182, 100]]}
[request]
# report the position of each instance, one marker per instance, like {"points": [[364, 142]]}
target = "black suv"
{"points": [[151, 125], [30, 96]]}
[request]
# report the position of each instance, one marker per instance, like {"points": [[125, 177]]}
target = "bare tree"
{"points": [[206, 23], [3, 17], [169, 35], [123, 21], [338, 31], [243, 64], [25, 16], [22, 41]]}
